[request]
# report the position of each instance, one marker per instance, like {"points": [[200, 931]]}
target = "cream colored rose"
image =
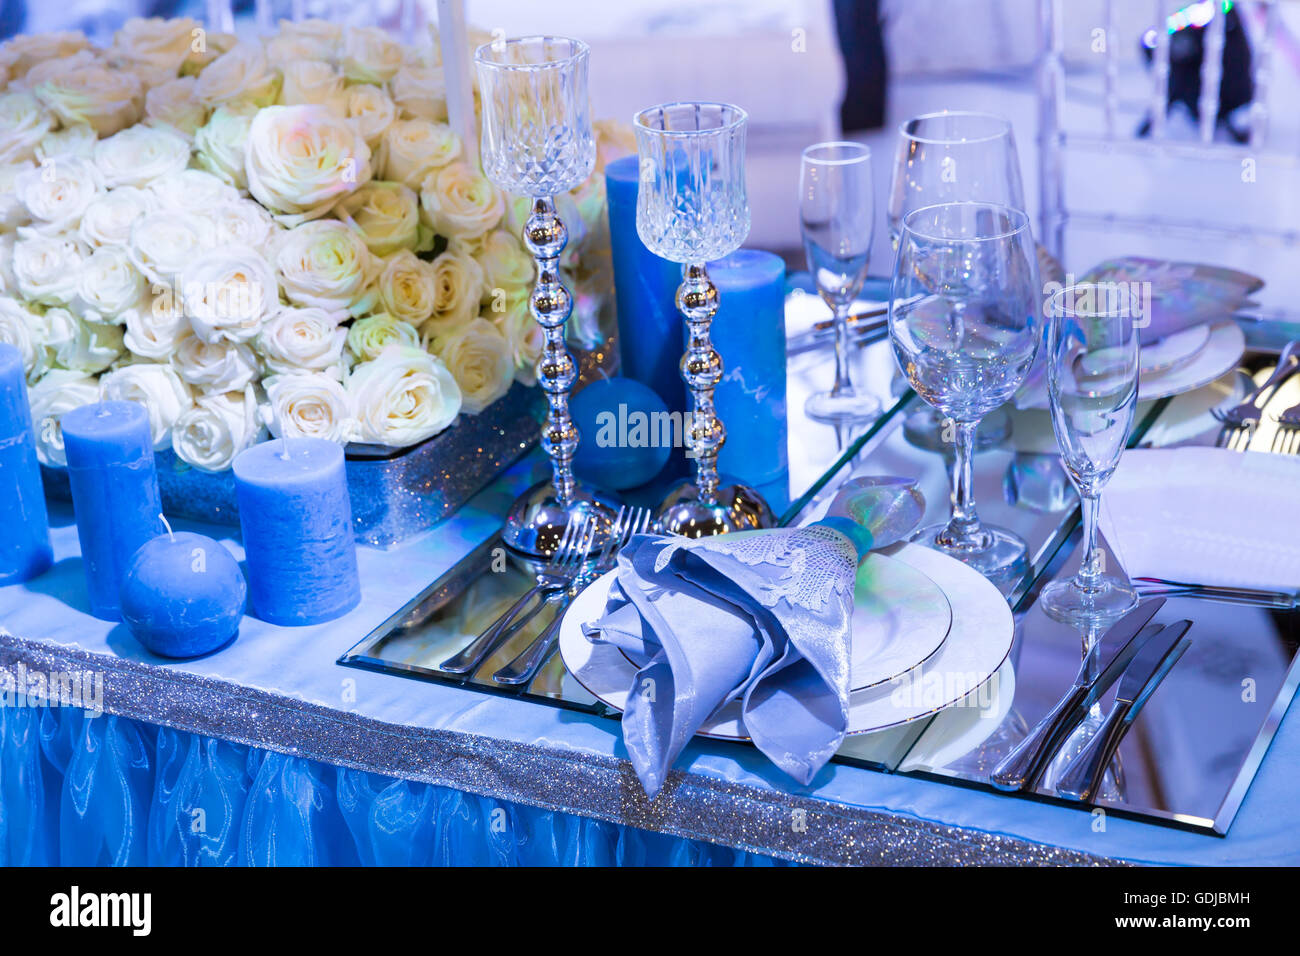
{"points": [[155, 42], [244, 222], [56, 392], [72, 142], [402, 397], [18, 325], [109, 283], [296, 340], [106, 99], [87, 347], [482, 362], [458, 289], [174, 106], [20, 53], [312, 81], [506, 266], [192, 190], [301, 159], [13, 211], [308, 405], [46, 268], [154, 330], [219, 144], [240, 77], [411, 150], [107, 221], [214, 366], [163, 244], [56, 194], [368, 337], [371, 112], [312, 39], [386, 216], [369, 55], [201, 54], [158, 388], [221, 425], [229, 292], [139, 155], [420, 92], [525, 336], [327, 265], [408, 287], [23, 123], [459, 203]]}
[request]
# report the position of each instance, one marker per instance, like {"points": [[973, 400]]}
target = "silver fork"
{"points": [[524, 668], [555, 576], [1240, 421], [1286, 440]]}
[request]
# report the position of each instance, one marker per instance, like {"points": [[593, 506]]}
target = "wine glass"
{"points": [[965, 322], [953, 157], [1092, 381], [836, 213], [692, 208]]}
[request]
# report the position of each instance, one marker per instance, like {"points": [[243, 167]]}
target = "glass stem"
{"points": [[843, 374], [964, 529], [1090, 571]]}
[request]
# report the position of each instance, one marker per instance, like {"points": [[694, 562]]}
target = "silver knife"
{"points": [[1022, 768], [1084, 774]]}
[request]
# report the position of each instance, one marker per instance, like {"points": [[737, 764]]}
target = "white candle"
{"points": [[456, 64]]}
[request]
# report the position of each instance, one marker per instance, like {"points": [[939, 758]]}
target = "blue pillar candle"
{"points": [[297, 523], [114, 493], [650, 334], [749, 333], [183, 595], [24, 524]]}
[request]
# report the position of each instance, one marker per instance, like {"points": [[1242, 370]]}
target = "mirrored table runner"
{"points": [[1191, 754]]}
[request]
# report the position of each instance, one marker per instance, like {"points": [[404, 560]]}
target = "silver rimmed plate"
{"points": [[1219, 355], [1174, 350], [978, 640]]}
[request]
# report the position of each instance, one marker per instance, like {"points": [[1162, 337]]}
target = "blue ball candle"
{"points": [[749, 332], [183, 595], [114, 493], [627, 433], [297, 526], [24, 524]]}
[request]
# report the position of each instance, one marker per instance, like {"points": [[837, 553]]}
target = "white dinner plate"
{"points": [[977, 643], [1175, 350], [1220, 354]]}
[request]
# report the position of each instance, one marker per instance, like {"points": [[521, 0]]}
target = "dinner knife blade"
{"points": [[1150, 665]]}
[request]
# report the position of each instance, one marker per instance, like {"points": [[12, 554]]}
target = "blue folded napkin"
{"points": [[760, 616]]}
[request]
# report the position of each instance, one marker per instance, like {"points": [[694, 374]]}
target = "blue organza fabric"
{"points": [[82, 790]]}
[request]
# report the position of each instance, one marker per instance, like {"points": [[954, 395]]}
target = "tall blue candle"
{"points": [[114, 493], [650, 332], [297, 523], [749, 333], [24, 524]]}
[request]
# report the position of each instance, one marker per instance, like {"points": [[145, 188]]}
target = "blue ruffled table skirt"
{"points": [[81, 790]]}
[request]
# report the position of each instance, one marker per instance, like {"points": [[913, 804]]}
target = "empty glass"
{"points": [[836, 215], [1092, 378], [964, 319]]}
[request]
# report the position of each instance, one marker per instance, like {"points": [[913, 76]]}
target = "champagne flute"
{"points": [[965, 321], [836, 212], [1092, 381]]}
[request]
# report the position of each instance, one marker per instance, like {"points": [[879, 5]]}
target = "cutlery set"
{"points": [[1134, 652], [1241, 421]]}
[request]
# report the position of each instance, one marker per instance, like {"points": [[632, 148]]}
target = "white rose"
{"points": [[13, 211], [300, 159], [86, 347], [482, 362], [219, 144], [109, 283], [74, 142], [369, 337], [174, 106], [413, 149], [214, 366], [192, 190], [525, 336], [56, 392], [163, 244], [325, 264], [403, 397], [107, 221], [153, 331], [370, 55], [107, 99], [458, 289], [459, 203], [8, 284], [312, 82], [22, 52], [156, 43], [23, 122], [244, 222], [46, 268], [56, 195], [240, 77], [311, 39], [386, 216], [505, 264], [303, 340], [308, 405], [18, 326], [196, 61], [420, 92], [139, 155], [370, 111], [211, 434], [158, 388], [228, 294], [408, 287]]}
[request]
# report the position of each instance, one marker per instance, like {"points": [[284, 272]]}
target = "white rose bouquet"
{"points": [[274, 236]]}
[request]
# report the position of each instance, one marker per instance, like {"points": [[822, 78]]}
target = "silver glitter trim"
{"points": [[690, 805]]}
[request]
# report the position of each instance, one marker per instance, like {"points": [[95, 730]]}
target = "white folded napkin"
{"points": [[1206, 516]]}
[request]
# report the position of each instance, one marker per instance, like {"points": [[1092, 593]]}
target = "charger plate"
{"points": [[977, 642]]}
